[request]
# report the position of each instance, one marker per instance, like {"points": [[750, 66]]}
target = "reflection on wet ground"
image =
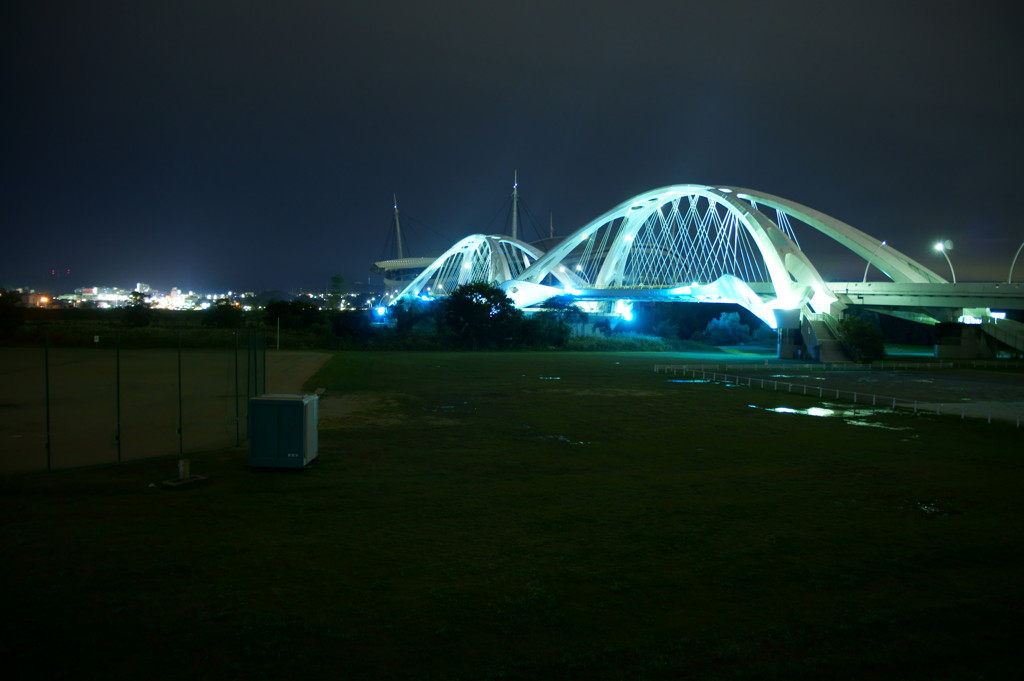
{"points": [[701, 380], [992, 393], [851, 415], [933, 509], [552, 438], [829, 410], [871, 424], [559, 438]]}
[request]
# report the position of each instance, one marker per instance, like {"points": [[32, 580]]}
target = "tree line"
{"points": [[475, 316]]}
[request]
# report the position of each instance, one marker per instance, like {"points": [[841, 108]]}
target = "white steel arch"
{"points": [[682, 242], [898, 266], [489, 258], [676, 222]]}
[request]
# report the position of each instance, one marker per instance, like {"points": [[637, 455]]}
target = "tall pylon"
{"points": [[515, 205], [398, 228]]}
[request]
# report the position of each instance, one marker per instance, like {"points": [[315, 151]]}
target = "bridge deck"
{"points": [[882, 294], [975, 294]]}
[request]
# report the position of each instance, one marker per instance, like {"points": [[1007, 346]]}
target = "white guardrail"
{"points": [[963, 410]]}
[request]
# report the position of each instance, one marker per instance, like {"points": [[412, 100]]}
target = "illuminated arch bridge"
{"points": [[688, 243]]}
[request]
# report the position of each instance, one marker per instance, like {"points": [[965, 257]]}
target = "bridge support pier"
{"points": [[791, 342], [964, 341]]}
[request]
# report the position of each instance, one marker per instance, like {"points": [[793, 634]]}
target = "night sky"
{"points": [[256, 145]]}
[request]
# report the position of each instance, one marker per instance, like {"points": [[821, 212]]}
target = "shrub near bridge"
{"points": [[479, 316], [863, 338]]}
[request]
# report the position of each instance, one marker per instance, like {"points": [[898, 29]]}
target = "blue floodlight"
{"points": [[624, 308]]}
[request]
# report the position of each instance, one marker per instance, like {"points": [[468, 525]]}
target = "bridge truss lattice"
{"points": [[476, 258]]}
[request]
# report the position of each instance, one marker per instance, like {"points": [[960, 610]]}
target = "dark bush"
{"points": [[479, 316], [863, 338]]}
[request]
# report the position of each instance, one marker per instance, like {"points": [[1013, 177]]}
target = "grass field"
{"points": [[534, 516]]}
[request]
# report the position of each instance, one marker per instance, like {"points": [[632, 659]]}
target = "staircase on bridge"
{"points": [[822, 339]]}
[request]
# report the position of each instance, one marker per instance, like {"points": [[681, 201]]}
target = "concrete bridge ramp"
{"points": [[1005, 331]]}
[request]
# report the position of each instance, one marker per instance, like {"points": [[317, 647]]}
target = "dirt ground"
{"points": [[85, 414], [287, 371]]}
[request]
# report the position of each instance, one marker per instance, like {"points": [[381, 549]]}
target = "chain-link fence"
{"points": [[118, 398]]}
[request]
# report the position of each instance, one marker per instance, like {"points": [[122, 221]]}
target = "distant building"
{"points": [[34, 299], [400, 271]]}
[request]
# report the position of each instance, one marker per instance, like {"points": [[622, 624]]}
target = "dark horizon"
{"points": [[212, 146]]}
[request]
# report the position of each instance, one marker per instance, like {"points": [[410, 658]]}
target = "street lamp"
{"points": [[868, 264], [942, 247], [1009, 277]]}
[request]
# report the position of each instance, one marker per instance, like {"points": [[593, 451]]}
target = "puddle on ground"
{"points": [[870, 424], [829, 410], [559, 438], [836, 411], [553, 438], [931, 508], [550, 378], [806, 378], [448, 408], [702, 380]]}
